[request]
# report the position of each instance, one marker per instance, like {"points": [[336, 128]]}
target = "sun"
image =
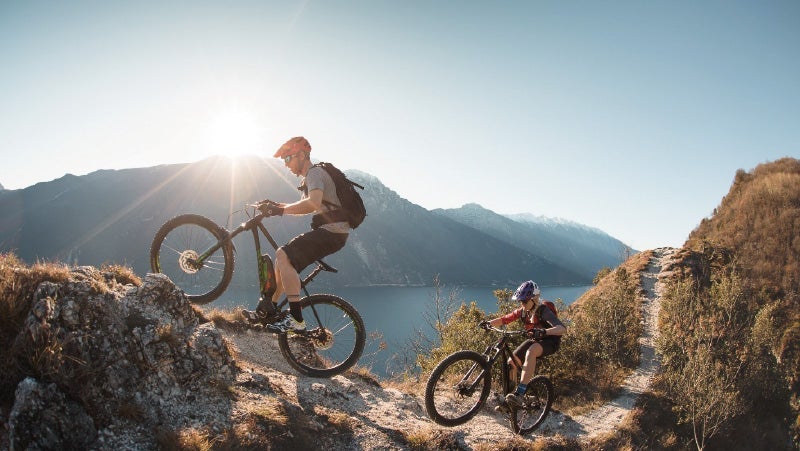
{"points": [[234, 132]]}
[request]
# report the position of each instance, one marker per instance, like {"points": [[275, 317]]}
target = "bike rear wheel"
{"points": [[333, 341], [537, 402], [457, 388], [179, 243]]}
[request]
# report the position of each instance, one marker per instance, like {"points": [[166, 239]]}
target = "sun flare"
{"points": [[234, 132]]}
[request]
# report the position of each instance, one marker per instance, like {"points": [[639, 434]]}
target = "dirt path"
{"points": [[606, 417], [384, 414]]}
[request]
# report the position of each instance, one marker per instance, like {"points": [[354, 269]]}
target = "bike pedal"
{"points": [[502, 408]]}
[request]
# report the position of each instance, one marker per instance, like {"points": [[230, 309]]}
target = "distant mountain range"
{"points": [[575, 246], [111, 216]]}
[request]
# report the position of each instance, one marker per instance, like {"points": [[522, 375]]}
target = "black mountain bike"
{"points": [[459, 386], [198, 255]]}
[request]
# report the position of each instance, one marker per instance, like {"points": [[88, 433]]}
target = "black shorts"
{"points": [[549, 346], [309, 247]]}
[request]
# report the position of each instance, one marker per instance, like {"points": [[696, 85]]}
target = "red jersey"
{"points": [[530, 320]]}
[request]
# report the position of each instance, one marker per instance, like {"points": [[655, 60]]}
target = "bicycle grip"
{"points": [[270, 208]]}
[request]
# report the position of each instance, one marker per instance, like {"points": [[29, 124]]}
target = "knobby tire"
{"points": [[457, 388], [538, 400], [333, 341]]}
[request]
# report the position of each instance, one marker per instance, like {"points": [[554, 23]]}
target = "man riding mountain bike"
{"points": [[544, 332], [329, 234]]}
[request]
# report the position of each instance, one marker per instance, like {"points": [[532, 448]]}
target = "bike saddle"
{"points": [[327, 267]]}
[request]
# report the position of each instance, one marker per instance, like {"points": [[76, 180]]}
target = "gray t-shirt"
{"points": [[318, 178]]}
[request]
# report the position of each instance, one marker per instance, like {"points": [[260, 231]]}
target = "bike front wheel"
{"points": [[333, 341], [457, 388], [537, 401], [178, 251]]}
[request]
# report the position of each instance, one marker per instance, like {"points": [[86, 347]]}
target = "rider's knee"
{"points": [[281, 257]]}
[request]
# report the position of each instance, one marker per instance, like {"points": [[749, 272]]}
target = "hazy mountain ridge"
{"points": [[112, 215], [583, 248]]}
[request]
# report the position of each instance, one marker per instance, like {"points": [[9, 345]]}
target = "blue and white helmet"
{"points": [[526, 291]]}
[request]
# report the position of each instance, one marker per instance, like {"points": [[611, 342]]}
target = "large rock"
{"points": [[100, 353], [43, 418]]}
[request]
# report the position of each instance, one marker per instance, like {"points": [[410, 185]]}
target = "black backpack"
{"points": [[352, 206]]}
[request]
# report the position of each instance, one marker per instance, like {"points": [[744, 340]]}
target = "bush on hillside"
{"points": [[758, 222], [714, 335]]}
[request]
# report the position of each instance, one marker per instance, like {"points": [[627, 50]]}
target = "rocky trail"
{"points": [[378, 417]]}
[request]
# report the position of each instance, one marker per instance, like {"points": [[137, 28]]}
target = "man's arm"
{"points": [[306, 205]]}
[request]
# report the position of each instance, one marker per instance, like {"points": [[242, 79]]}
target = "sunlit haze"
{"points": [[628, 116]]}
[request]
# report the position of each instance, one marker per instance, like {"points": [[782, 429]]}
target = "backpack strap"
{"points": [[537, 315]]}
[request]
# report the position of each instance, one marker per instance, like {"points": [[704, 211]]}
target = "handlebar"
{"points": [[505, 331], [256, 207]]}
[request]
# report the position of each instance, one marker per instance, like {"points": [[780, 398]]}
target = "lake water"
{"points": [[393, 315]]}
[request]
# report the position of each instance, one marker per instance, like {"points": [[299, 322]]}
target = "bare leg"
{"points": [[276, 296], [286, 277], [290, 281], [529, 368]]}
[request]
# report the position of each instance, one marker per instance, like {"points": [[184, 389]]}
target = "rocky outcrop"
{"points": [[100, 358]]}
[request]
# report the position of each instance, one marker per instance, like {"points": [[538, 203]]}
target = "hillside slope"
{"points": [[752, 244], [186, 390]]}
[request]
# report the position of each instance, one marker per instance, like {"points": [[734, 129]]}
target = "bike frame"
{"points": [[255, 224], [491, 354]]}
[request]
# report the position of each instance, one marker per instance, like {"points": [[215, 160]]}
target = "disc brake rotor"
{"points": [[322, 339], [187, 261]]}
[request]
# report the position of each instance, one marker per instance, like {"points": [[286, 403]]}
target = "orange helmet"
{"points": [[293, 146]]}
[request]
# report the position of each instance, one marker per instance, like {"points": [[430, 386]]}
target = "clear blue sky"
{"points": [[628, 116]]}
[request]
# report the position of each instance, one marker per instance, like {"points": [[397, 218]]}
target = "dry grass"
{"points": [[229, 320], [121, 274], [188, 439], [341, 421], [365, 374], [18, 283], [431, 438], [271, 411], [406, 384]]}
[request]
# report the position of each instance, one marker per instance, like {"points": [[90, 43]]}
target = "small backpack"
{"points": [[538, 316], [352, 206]]}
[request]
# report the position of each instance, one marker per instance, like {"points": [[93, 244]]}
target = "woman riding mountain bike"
{"points": [[544, 330]]}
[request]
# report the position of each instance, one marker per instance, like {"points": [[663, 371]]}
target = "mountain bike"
{"points": [[459, 386], [198, 256]]}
